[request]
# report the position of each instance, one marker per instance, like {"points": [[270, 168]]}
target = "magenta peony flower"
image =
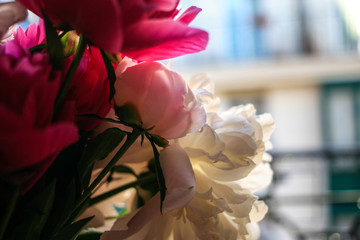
{"points": [[161, 98], [141, 29], [23, 41], [34, 35], [29, 139], [89, 89]]}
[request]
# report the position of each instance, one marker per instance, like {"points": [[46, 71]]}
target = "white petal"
{"points": [[267, 123], [259, 178], [226, 175], [253, 230], [179, 177], [258, 211], [205, 142]]}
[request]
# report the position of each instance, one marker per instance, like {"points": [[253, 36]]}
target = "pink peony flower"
{"points": [[161, 98], [29, 139], [141, 29], [159, 37]]}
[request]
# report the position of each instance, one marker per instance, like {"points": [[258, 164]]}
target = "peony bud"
{"points": [[158, 99]]}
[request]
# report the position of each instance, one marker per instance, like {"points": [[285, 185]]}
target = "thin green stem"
{"points": [[70, 74], [115, 191], [9, 210], [129, 141]]}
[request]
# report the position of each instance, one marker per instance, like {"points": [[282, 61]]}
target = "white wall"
{"points": [[296, 112]]}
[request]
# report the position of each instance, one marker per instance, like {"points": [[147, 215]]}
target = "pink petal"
{"points": [[167, 93], [188, 16], [99, 21], [164, 5], [133, 84], [162, 39], [29, 147], [34, 35]]}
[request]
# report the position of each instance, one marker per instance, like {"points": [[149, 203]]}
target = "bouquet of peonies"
{"points": [[100, 141]]}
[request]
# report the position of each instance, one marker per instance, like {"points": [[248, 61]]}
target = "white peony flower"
{"points": [[229, 164]]}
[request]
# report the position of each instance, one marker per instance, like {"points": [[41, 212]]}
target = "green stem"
{"points": [[70, 74], [9, 210], [129, 141], [115, 191]]}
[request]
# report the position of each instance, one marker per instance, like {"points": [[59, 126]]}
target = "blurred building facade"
{"points": [[298, 60]]}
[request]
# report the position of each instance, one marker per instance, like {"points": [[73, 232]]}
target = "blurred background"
{"points": [[298, 60]]}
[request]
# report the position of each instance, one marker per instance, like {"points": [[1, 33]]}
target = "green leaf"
{"points": [[111, 73], [53, 45], [78, 211], [71, 231], [31, 220], [37, 48], [140, 201], [159, 173], [89, 236], [9, 202], [128, 114], [98, 149], [68, 190], [86, 176], [123, 169], [66, 196]]}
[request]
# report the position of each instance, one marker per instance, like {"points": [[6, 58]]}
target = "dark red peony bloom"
{"points": [[90, 89], [141, 29]]}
